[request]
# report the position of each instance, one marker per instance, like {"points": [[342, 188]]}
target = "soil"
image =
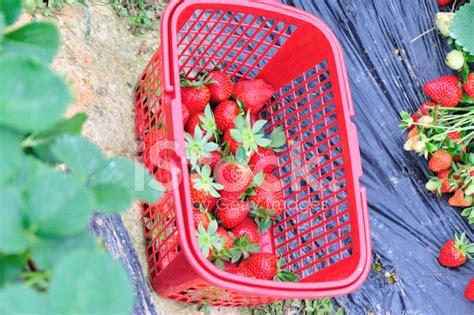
{"points": [[101, 60]]}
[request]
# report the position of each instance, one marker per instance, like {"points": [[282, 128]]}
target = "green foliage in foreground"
{"points": [[52, 181]]}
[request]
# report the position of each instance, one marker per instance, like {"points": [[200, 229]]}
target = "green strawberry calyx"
{"points": [[262, 216], [208, 122], [463, 245], [201, 80], [251, 137], [199, 146], [242, 249], [284, 275], [205, 182], [208, 239]]}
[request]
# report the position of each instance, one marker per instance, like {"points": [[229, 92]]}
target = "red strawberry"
{"points": [[231, 212], [225, 236], [454, 135], [422, 111], [205, 121], [454, 252], [195, 98], [469, 292], [262, 265], [253, 93], [201, 217], [225, 114], [234, 177], [444, 2], [221, 88], [445, 90], [193, 122], [460, 200], [213, 160], [249, 229], [263, 160], [269, 195], [233, 145], [185, 111], [445, 181], [203, 188], [155, 146], [439, 161], [469, 85], [240, 271]]}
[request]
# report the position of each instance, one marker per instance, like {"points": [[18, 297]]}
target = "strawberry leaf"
{"points": [[461, 27]]}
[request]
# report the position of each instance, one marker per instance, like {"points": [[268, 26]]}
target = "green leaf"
{"points": [[11, 10], [38, 40], [71, 126], [59, 205], [17, 299], [467, 99], [90, 282], [258, 125], [30, 169], [11, 155], [461, 27], [13, 237], [278, 137], [34, 99], [133, 176], [46, 252], [10, 267], [111, 198], [82, 157], [237, 135]]}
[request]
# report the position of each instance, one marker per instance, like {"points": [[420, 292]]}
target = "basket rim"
{"points": [[205, 269]]}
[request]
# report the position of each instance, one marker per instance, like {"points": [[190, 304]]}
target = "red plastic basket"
{"points": [[324, 233]]}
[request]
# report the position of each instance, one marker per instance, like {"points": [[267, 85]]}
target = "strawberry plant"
{"points": [[52, 181], [442, 130]]}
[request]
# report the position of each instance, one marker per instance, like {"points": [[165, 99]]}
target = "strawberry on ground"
{"points": [[455, 252], [203, 188], [469, 292], [444, 2], [225, 114], [445, 90], [234, 177], [240, 271], [440, 160], [422, 111], [253, 94], [460, 200], [446, 186], [231, 212], [469, 85], [221, 87]]}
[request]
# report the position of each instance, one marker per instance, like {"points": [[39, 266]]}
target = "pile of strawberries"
{"points": [[234, 192], [442, 131]]}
